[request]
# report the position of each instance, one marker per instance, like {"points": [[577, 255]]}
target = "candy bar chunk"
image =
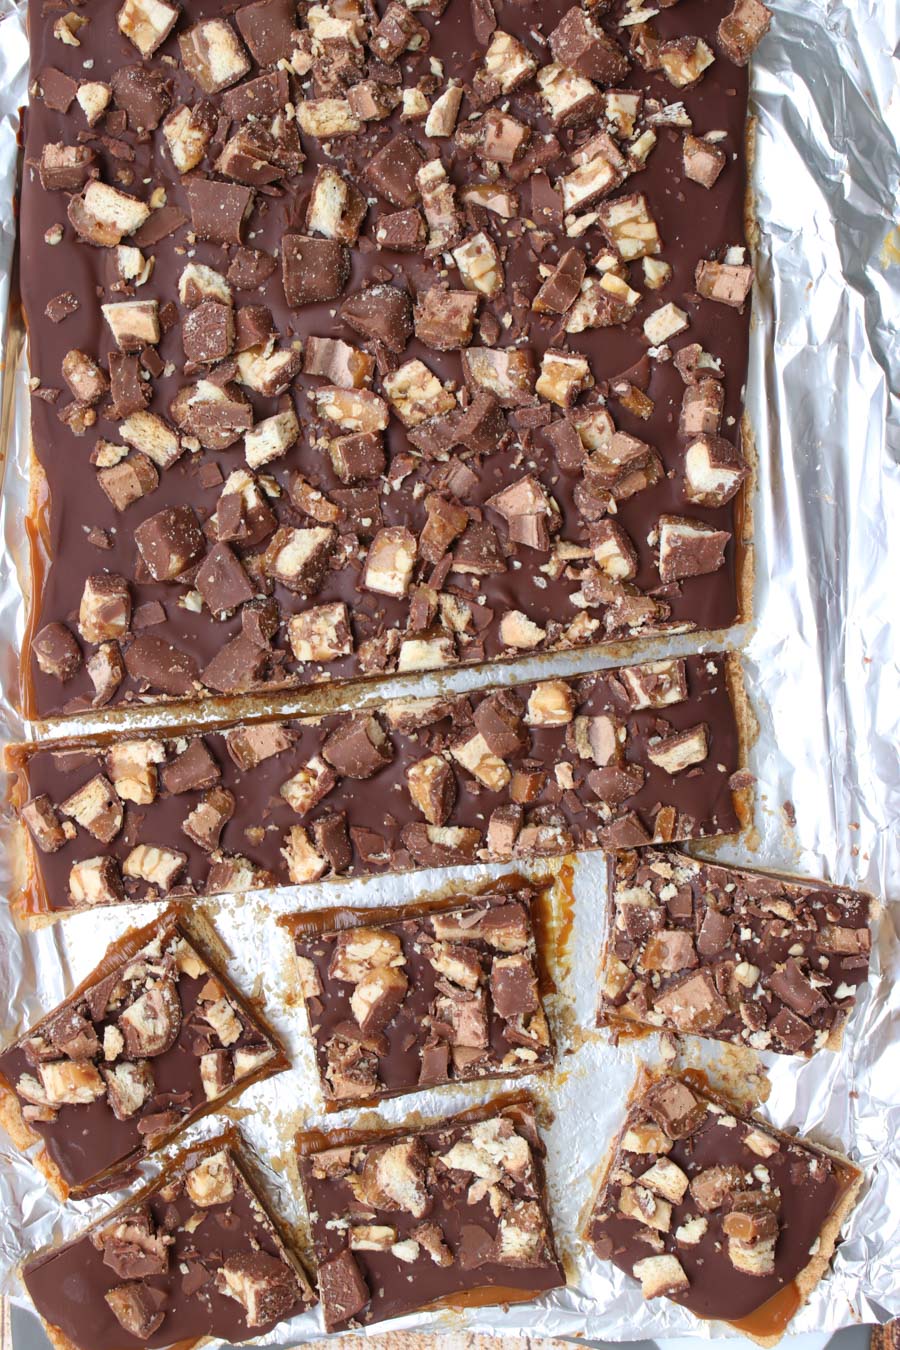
{"points": [[741, 31], [104, 216], [442, 993], [392, 171], [689, 548], [269, 29], [381, 313], [188, 131], [196, 1252], [445, 320], [636, 754], [212, 55], [579, 44], [390, 1236], [714, 471], [336, 209], [313, 270], [703, 160], [479, 264], [507, 64], [696, 1199], [781, 979], [569, 99], [123, 1065], [728, 283], [416, 394], [147, 23], [324, 118]]}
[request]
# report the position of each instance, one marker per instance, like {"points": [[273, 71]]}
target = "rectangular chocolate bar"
{"points": [[426, 994], [363, 344], [611, 760], [749, 957], [452, 1214], [718, 1211], [153, 1039], [195, 1256]]}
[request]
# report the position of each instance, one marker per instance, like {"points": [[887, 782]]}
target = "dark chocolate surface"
{"points": [[492, 1183], [85, 1139], [68, 1286], [801, 1185], [551, 795], [471, 1007], [737, 955], [460, 613]]}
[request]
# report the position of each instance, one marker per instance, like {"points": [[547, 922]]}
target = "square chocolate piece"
{"points": [[155, 1038], [619, 759], [757, 959], [504, 255], [428, 994], [718, 1211], [196, 1255], [447, 1214]]}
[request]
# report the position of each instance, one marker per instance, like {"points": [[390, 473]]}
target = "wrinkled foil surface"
{"points": [[821, 661]]}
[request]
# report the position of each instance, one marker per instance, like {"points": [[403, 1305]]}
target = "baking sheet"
{"points": [[821, 662]]}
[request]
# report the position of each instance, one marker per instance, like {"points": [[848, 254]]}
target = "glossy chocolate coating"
{"points": [[809, 1185], [381, 807], [86, 1141], [67, 1285], [399, 1044], [801, 949], [397, 1286], [694, 223]]}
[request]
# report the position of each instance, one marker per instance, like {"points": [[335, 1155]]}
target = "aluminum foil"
{"points": [[821, 661]]}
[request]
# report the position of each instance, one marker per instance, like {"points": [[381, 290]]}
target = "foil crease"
{"points": [[821, 663]]}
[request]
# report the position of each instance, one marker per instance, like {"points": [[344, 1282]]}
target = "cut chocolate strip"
{"points": [[154, 1038], [716, 1210], [519, 224], [195, 1255], [614, 760], [455, 1211], [428, 994], [757, 959]]}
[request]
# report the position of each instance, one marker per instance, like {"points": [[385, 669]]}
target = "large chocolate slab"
{"points": [[154, 1038], [749, 957], [714, 1209], [451, 1214], [195, 1255], [444, 992], [616, 759], [558, 551]]}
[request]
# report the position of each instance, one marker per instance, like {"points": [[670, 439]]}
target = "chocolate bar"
{"points": [[756, 959], [444, 1216], [195, 1256], [716, 1210], [153, 1039], [365, 343], [618, 759], [430, 993]]}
